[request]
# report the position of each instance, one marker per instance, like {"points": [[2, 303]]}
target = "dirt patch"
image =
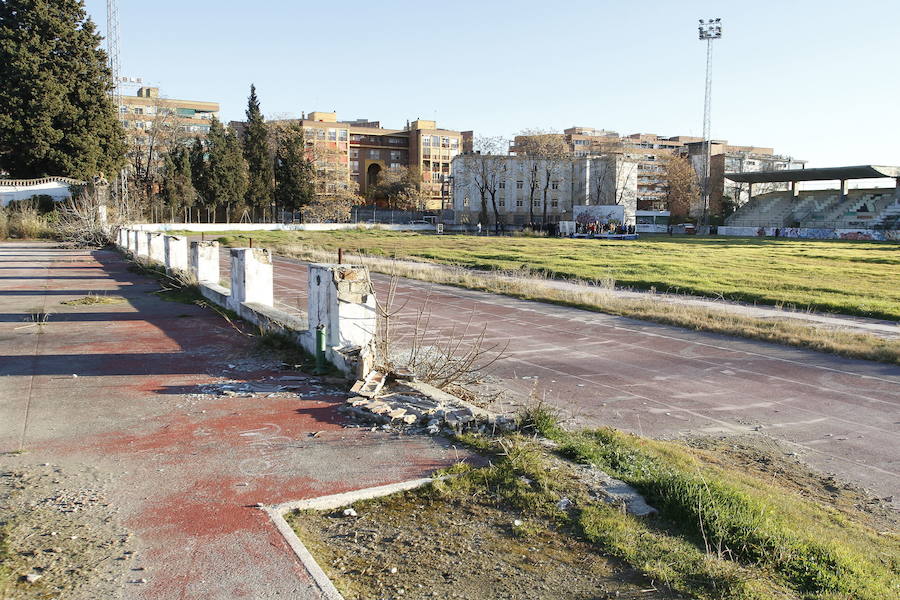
{"points": [[59, 537], [779, 463], [408, 547], [92, 299]]}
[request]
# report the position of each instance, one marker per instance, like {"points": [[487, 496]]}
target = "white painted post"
{"points": [[205, 261], [341, 299], [176, 253], [155, 249], [141, 243], [251, 277]]}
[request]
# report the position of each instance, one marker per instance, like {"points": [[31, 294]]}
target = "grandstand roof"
{"points": [[821, 174]]}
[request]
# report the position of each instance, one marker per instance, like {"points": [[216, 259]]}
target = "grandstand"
{"points": [[841, 208]]}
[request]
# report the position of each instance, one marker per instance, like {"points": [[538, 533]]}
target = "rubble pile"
{"points": [[432, 412]]}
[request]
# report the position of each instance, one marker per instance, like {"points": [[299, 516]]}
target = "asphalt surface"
{"points": [[839, 415], [122, 391]]}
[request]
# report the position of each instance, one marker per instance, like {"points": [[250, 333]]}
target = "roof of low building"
{"points": [[819, 174]]}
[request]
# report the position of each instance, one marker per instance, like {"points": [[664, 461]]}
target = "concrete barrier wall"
{"points": [[342, 298], [811, 233], [208, 227]]}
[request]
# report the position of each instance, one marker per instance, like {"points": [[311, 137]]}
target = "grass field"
{"points": [[854, 278]]}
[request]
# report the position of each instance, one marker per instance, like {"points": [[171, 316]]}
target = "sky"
{"points": [[814, 79]]}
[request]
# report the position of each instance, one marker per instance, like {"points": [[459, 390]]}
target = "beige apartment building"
{"points": [[360, 150], [141, 113]]}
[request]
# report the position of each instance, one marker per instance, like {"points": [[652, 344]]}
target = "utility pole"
{"points": [[709, 30]]}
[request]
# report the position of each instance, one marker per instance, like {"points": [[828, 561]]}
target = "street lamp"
{"points": [[708, 30]]}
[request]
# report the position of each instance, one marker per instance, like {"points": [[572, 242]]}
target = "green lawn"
{"points": [[857, 278]]}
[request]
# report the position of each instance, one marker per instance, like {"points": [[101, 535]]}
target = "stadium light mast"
{"points": [[112, 52], [709, 30]]}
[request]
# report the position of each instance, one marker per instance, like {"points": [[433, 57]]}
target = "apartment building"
{"points": [[650, 152], [647, 150], [361, 149], [141, 113], [726, 195], [606, 180]]}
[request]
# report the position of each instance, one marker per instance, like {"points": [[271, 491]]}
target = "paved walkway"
{"points": [[111, 397], [840, 415]]}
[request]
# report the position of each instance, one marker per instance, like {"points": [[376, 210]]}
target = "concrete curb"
{"points": [[277, 512]]}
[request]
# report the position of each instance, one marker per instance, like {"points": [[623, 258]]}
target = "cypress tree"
{"points": [[294, 171], [56, 115], [256, 153], [226, 172]]}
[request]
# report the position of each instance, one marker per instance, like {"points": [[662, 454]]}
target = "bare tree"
{"points": [[486, 169], [547, 153], [682, 186], [401, 188], [150, 134]]}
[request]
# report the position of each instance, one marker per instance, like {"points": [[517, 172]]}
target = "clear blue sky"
{"points": [[816, 79]]}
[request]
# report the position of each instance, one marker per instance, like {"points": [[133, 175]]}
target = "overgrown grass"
{"points": [[815, 550], [25, 220], [93, 299], [6, 574], [523, 478], [848, 277]]}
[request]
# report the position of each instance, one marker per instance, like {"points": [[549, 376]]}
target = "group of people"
{"points": [[598, 228]]}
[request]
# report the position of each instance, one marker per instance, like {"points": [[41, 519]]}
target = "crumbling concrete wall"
{"points": [[155, 247], [341, 298], [205, 261], [252, 279], [176, 253], [342, 301]]}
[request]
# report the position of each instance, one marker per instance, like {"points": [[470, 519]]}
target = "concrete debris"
{"points": [[349, 512], [616, 491], [425, 407], [370, 386], [32, 577], [517, 523]]}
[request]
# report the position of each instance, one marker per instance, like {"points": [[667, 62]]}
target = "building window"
{"points": [[536, 202], [354, 166], [395, 155], [374, 154], [396, 165], [342, 135], [554, 203], [502, 202], [502, 185], [519, 185], [354, 152], [555, 185], [466, 201], [519, 203]]}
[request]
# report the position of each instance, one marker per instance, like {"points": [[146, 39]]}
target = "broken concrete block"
{"points": [[410, 419], [397, 413]]}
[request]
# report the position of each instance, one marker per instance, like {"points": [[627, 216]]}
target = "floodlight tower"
{"points": [[112, 51], [709, 30]]}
